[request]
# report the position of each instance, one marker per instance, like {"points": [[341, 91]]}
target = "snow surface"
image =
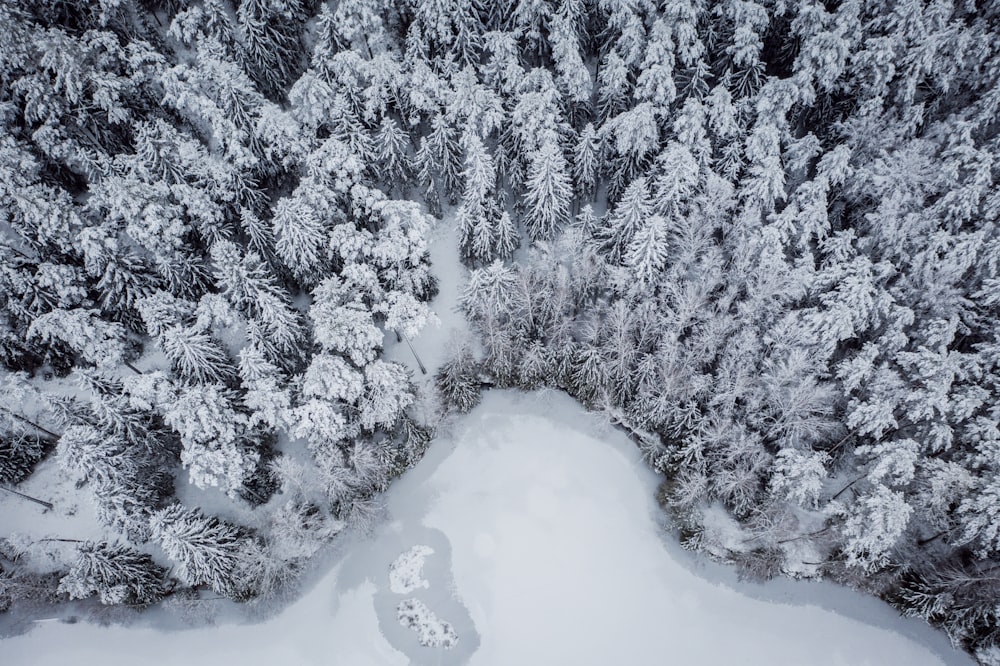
{"points": [[547, 550], [73, 515], [405, 573], [435, 340]]}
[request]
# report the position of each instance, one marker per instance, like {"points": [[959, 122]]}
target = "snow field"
{"points": [[547, 550]]}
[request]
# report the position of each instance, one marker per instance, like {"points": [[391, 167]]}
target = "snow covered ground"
{"points": [[435, 340], [547, 550]]}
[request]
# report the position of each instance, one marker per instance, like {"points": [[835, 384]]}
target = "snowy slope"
{"points": [[546, 551]]}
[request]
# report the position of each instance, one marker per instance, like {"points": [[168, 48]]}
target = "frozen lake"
{"points": [[530, 534]]}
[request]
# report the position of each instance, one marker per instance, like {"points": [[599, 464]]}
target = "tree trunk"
{"points": [[420, 363], [27, 421], [47, 505]]}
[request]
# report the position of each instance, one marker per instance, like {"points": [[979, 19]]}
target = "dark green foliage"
{"points": [[261, 484]]}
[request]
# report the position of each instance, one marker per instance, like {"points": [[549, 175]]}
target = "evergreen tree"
{"points": [[586, 162], [344, 326], [271, 50], [458, 382], [394, 165], [627, 218], [213, 433], [300, 239], [114, 572], [97, 341], [387, 393], [548, 191], [208, 551], [195, 355], [647, 253], [19, 453]]}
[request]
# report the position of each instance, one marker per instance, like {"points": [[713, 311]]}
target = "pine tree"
{"points": [[394, 166], [548, 191], [215, 451], [874, 526], [636, 139], [332, 378], [358, 22], [97, 341], [387, 393], [574, 77], [195, 355], [647, 252], [251, 287], [114, 572], [586, 162], [324, 426], [613, 86], [19, 453], [656, 83], [208, 551], [300, 239], [344, 327], [270, 34], [628, 216], [266, 395], [445, 155], [485, 234], [457, 380]]}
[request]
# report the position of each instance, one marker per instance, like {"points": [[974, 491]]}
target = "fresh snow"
{"points": [[405, 572], [73, 515], [547, 550]]}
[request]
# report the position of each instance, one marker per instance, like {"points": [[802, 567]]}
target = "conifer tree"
{"points": [[548, 191], [271, 50], [586, 162], [115, 573], [457, 381], [208, 551]]}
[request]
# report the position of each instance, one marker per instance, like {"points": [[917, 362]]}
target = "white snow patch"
{"points": [[721, 531], [73, 516], [405, 573], [431, 631], [579, 572]]}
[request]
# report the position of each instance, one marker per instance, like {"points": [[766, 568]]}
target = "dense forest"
{"points": [[762, 237]]}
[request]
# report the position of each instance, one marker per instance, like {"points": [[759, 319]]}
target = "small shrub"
{"points": [[758, 565]]}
